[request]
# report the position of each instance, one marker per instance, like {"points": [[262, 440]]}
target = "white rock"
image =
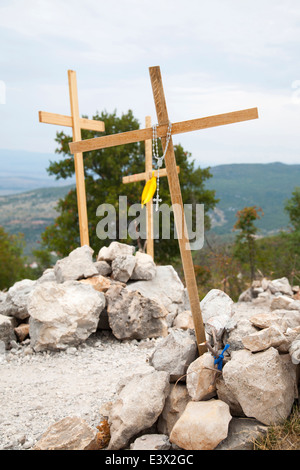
{"points": [[113, 250], [202, 426], [175, 405], [63, 315], [200, 376], [7, 325], [165, 288], [145, 268], [216, 308], [15, 304], [78, 265], [263, 383], [264, 339], [151, 442], [175, 353], [281, 285], [140, 401], [122, 267], [282, 302]]}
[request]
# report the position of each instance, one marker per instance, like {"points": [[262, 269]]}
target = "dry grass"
{"points": [[282, 437]]}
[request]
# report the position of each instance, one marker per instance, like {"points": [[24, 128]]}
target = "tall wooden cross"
{"points": [[173, 179], [77, 123], [146, 176]]}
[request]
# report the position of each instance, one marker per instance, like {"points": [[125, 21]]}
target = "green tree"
{"points": [[104, 170], [292, 206], [245, 240], [13, 267]]}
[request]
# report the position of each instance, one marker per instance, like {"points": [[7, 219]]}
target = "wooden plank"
{"points": [[143, 176], [176, 197], [62, 120], [78, 160], [177, 128], [149, 205]]}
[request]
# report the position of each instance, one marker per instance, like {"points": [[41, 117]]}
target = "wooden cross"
{"points": [[173, 180], [146, 176], [77, 123]]}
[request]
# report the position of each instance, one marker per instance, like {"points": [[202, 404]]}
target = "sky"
{"points": [[215, 56]]}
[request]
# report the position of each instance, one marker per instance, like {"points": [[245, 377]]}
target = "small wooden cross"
{"points": [[173, 180], [146, 176], [77, 123]]}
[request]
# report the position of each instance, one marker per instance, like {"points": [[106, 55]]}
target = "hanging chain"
{"points": [[158, 158]]}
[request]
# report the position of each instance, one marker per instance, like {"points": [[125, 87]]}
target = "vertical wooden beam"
{"points": [[176, 198], [78, 161], [149, 205]]}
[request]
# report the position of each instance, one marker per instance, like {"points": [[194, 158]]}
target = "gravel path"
{"points": [[38, 389]]}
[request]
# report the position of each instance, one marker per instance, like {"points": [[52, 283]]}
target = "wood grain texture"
{"points": [[177, 128], [149, 205], [144, 176], [176, 198], [78, 161], [66, 121]]}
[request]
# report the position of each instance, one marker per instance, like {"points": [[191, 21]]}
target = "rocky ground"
{"points": [[39, 389], [114, 339]]}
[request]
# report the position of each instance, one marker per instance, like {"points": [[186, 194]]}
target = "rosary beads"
{"points": [[159, 159]]}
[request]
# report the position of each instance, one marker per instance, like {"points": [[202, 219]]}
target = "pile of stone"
{"points": [[183, 401], [120, 291]]}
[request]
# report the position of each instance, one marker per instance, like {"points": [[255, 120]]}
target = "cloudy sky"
{"points": [[215, 56]]}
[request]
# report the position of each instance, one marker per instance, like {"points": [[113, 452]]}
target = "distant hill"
{"points": [[237, 186], [241, 185], [30, 213], [21, 170]]}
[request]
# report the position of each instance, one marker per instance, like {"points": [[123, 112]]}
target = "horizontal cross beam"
{"points": [[143, 176], [177, 128], [62, 120]]}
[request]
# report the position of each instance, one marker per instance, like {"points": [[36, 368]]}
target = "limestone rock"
{"points": [[184, 320], [15, 304], [174, 353], [113, 250], [175, 405], [140, 401], [294, 351], [263, 384], [22, 331], [145, 268], [122, 267], [280, 285], [63, 315], [235, 337], [282, 302], [216, 308], [48, 275], [200, 376], [71, 433], [224, 394], [103, 268], [202, 426], [165, 288], [290, 336], [133, 316], [151, 442], [242, 434], [78, 265], [7, 326], [98, 282], [264, 339], [267, 319]]}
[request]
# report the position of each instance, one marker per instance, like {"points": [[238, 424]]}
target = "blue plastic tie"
{"points": [[219, 360]]}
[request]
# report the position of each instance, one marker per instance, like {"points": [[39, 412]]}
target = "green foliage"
{"points": [[13, 267], [104, 170], [245, 240], [292, 206]]}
